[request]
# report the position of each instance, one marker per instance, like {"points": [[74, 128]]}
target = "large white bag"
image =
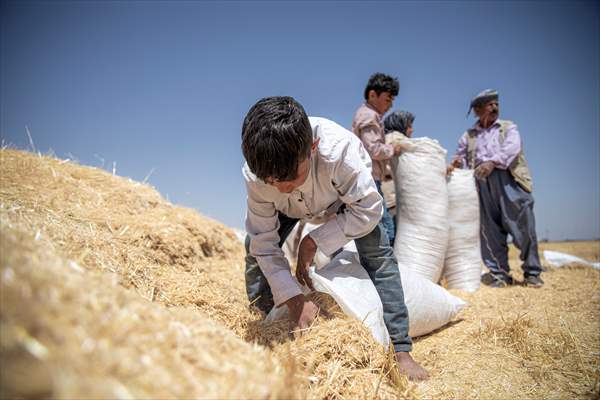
{"points": [[293, 240], [430, 306], [421, 206], [557, 259], [462, 267]]}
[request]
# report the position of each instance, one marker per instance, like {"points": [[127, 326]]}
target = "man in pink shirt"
{"points": [[367, 124], [493, 148]]}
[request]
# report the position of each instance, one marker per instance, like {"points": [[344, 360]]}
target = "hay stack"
{"points": [[103, 222], [72, 333]]}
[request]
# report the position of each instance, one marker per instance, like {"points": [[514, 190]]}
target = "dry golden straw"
{"points": [[109, 291]]}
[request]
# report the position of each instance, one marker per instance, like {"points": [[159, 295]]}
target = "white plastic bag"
{"points": [[462, 266], [290, 252], [558, 259], [421, 206], [430, 306], [348, 283]]}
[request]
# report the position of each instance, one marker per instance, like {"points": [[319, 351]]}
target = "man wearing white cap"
{"points": [[493, 148]]}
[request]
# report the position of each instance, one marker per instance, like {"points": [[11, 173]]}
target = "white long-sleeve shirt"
{"points": [[340, 174]]}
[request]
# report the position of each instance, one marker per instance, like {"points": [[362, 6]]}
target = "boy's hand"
{"points": [[302, 312], [306, 253], [399, 148]]}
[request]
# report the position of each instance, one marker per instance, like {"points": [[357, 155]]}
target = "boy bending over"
{"points": [[300, 168]]}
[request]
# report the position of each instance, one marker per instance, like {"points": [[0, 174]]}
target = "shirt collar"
{"points": [[478, 127], [307, 186], [372, 108]]}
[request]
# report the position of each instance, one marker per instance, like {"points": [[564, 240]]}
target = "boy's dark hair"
{"points": [[382, 83], [276, 138], [398, 121]]}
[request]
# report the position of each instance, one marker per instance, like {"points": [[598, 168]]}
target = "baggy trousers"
{"points": [[506, 208], [377, 258]]}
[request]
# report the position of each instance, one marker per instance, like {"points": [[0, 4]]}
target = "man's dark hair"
{"points": [[276, 138], [382, 83]]}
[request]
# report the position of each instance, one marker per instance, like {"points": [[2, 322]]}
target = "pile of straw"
{"points": [[110, 291], [71, 333]]}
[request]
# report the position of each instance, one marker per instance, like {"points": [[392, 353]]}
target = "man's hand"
{"points": [[484, 169], [449, 169], [302, 312], [306, 253], [457, 162]]}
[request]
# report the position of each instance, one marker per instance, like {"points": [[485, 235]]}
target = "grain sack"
{"points": [[422, 206], [462, 267], [430, 306], [290, 246]]}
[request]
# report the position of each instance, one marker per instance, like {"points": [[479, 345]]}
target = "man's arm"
{"points": [[460, 157], [509, 149]]}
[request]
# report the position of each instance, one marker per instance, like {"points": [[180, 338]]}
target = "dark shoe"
{"points": [[496, 280], [533, 281]]}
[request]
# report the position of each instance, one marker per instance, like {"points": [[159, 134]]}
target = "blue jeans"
{"points": [[386, 219], [376, 257]]}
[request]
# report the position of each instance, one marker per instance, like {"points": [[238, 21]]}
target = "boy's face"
{"points": [[382, 102], [301, 174]]}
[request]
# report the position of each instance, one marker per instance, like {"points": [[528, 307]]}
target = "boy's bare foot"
{"points": [[410, 368]]}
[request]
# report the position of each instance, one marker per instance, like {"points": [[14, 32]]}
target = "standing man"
{"points": [[368, 126], [300, 168], [493, 147]]}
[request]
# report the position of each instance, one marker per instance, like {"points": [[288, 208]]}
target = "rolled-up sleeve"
{"points": [[509, 149], [262, 224], [364, 207]]}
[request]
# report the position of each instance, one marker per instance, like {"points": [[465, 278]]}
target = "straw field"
{"points": [[109, 291]]}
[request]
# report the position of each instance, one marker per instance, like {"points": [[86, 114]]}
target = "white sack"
{"points": [[421, 206], [240, 234], [462, 266], [348, 283], [430, 306], [320, 259], [557, 259]]}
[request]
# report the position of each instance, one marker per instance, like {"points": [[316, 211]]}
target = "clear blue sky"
{"points": [[164, 86]]}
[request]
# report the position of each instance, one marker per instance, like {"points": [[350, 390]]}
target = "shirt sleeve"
{"points": [[376, 147], [262, 224], [509, 149], [461, 150], [364, 205]]}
